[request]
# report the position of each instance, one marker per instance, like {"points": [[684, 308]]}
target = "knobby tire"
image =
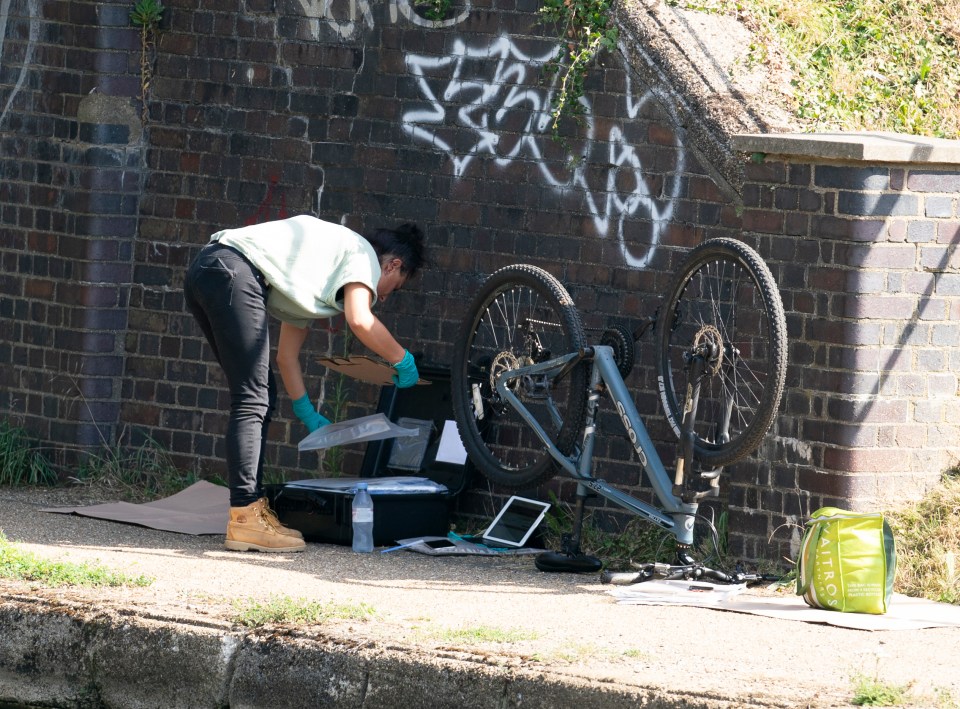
{"points": [[521, 315]]}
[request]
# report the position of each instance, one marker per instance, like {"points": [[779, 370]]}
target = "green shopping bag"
{"points": [[847, 562]]}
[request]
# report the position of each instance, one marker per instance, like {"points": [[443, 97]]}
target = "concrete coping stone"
{"points": [[868, 146]]}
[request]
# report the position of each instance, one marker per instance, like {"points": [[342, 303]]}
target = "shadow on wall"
{"points": [[915, 308]]}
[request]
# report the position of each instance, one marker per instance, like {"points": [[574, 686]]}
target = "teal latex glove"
{"points": [[310, 417], [407, 374]]}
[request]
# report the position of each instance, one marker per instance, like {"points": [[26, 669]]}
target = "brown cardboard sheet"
{"points": [[203, 508], [366, 369]]}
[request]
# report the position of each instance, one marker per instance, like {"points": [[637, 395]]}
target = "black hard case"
{"points": [[324, 515]]}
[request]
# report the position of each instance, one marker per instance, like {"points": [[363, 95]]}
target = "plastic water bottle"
{"points": [[362, 519]]}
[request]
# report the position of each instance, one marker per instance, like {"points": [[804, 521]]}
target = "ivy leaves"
{"points": [[586, 29]]}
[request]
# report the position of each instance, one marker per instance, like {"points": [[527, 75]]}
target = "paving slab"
{"points": [[445, 631]]}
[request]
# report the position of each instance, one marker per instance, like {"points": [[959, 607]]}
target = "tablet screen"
{"points": [[516, 521]]}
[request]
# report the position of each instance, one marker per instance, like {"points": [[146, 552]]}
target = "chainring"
{"points": [[620, 340]]}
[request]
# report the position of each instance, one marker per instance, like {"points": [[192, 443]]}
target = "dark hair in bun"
{"points": [[405, 243]]}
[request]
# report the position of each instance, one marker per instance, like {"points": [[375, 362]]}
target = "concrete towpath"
{"points": [[445, 632]]}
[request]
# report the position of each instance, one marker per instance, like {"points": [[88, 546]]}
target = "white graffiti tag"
{"points": [[481, 103], [489, 90], [407, 11], [344, 24], [31, 14], [350, 17]]}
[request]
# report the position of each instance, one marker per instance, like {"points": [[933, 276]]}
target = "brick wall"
{"points": [[69, 200], [864, 248], [369, 115]]}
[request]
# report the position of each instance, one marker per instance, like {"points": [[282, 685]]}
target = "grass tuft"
{"points": [[21, 461], [927, 536], [21, 565], [133, 472], [284, 609], [619, 544], [486, 634], [872, 692]]}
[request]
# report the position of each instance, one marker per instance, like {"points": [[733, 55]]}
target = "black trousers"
{"points": [[228, 297]]}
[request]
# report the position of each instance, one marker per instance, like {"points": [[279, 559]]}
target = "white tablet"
{"points": [[515, 522]]}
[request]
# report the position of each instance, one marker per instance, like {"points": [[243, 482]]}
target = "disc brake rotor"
{"points": [[503, 362], [710, 335]]}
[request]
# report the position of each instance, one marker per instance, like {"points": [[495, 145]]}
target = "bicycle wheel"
{"points": [[521, 316], [723, 295]]}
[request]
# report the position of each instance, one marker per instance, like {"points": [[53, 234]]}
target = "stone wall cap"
{"points": [[869, 146]]}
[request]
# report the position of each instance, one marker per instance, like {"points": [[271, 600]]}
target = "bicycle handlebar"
{"points": [[668, 572]]}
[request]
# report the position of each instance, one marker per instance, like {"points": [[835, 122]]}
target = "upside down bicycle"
{"points": [[526, 387]]}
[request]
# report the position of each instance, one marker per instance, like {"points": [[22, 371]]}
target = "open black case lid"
{"points": [[431, 404]]}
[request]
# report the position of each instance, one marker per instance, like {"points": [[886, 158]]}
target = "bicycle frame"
{"points": [[675, 516]]}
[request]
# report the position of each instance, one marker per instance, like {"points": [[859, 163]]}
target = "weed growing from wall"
{"points": [[336, 401], [436, 10], [132, 472], [146, 15], [635, 540]]}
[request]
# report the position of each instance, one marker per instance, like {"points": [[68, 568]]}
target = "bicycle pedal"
{"points": [[689, 496]]}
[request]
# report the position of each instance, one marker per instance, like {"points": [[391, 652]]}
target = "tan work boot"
{"points": [[289, 531], [250, 528]]}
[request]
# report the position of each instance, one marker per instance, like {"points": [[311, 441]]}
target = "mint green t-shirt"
{"points": [[306, 262]]}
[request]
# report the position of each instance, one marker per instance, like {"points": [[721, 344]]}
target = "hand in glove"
{"points": [[407, 374], [310, 417]]}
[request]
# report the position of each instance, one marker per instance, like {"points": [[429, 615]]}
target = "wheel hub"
{"points": [[524, 386], [708, 337]]}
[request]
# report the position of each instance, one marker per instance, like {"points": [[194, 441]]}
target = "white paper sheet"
{"points": [[905, 613], [451, 448], [662, 592]]}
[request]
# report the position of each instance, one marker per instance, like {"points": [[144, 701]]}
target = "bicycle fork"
{"points": [[696, 372], [678, 515]]}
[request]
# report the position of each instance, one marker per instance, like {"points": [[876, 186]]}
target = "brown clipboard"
{"points": [[363, 368]]}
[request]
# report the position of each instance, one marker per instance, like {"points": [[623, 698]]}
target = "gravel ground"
{"points": [[563, 623]]}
